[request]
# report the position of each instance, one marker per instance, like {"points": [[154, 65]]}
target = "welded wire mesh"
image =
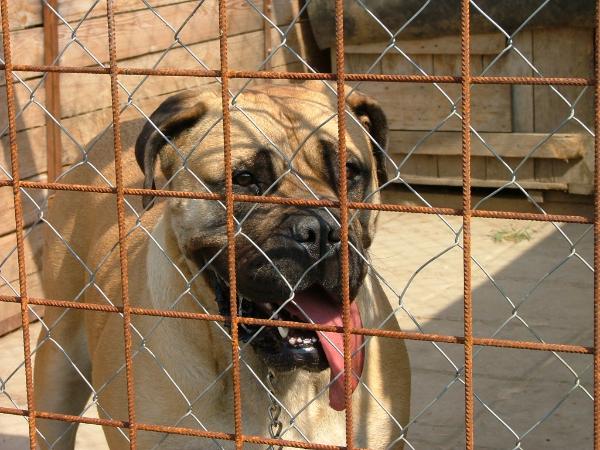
{"points": [[136, 342]]}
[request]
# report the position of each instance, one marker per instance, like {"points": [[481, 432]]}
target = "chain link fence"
{"points": [[283, 420]]}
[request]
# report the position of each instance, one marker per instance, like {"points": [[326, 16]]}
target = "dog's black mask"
{"points": [[303, 253]]}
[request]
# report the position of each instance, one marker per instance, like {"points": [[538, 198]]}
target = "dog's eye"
{"points": [[244, 179], [352, 170]]}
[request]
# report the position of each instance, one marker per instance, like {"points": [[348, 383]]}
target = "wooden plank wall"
{"points": [[512, 119], [142, 38]]}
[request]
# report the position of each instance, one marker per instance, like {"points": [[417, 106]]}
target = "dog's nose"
{"points": [[315, 234]]}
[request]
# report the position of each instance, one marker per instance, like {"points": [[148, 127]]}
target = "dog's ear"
{"points": [[172, 117], [373, 119]]}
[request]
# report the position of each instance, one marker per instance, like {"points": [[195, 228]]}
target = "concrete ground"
{"points": [[541, 397]]}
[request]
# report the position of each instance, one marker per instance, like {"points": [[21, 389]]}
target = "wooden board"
{"points": [[10, 313], [490, 104], [481, 44], [141, 32], [565, 52], [391, 63], [564, 163], [451, 167], [424, 165], [85, 119], [451, 65], [456, 182], [395, 63], [360, 63], [498, 170], [83, 128], [81, 93], [10, 269], [511, 63], [578, 174], [138, 33], [411, 106], [28, 13], [428, 103], [556, 170], [543, 170], [558, 52], [299, 39], [10, 316], [30, 211], [514, 145]]}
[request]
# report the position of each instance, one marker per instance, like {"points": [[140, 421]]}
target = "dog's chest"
{"points": [[304, 402]]}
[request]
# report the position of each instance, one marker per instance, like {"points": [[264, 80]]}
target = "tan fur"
{"points": [[193, 353]]}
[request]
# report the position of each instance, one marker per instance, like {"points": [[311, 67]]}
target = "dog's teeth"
{"points": [[283, 332]]}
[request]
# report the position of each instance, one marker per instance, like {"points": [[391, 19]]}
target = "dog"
{"points": [[284, 143]]}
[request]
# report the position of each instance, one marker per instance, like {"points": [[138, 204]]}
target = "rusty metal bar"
{"points": [[52, 90], [229, 203], [172, 430], [120, 194], [394, 78], [19, 221], [309, 203], [344, 219], [597, 229], [466, 179], [416, 336]]}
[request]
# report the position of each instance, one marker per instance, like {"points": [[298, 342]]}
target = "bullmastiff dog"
{"points": [[284, 143]]}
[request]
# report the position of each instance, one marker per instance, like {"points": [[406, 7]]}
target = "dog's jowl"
{"points": [[284, 143]]}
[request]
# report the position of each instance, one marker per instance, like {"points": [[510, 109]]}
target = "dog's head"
{"points": [[284, 142]]}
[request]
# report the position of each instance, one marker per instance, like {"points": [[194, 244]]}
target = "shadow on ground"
{"points": [[538, 399]]}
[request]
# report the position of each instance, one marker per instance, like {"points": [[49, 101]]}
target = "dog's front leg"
{"points": [[59, 387]]}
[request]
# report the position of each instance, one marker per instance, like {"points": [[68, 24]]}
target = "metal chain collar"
{"points": [[275, 425]]}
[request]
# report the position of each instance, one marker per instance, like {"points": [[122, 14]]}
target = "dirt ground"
{"points": [[539, 400]]}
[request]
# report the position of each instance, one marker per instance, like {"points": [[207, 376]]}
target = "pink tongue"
{"points": [[322, 311]]}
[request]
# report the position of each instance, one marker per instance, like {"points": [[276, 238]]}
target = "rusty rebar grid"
{"points": [[468, 340]]}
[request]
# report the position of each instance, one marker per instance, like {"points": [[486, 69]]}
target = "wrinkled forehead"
{"points": [[286, 124]]}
